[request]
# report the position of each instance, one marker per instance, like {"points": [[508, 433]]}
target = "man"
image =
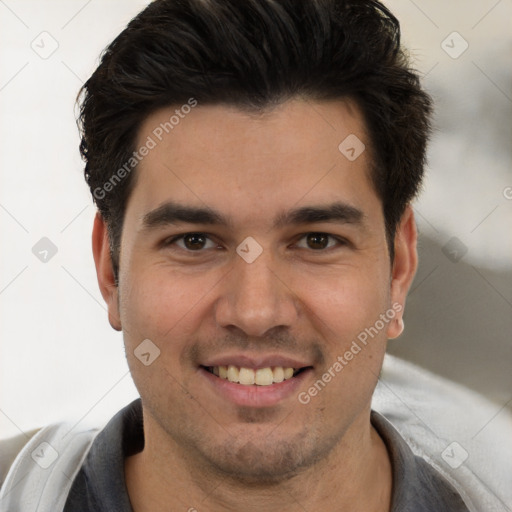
{"points": [[253, 164]]}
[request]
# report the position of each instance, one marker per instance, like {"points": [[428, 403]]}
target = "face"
{"points": [[253, 246]]}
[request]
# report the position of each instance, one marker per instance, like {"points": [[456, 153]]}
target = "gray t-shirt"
{"points": [[100, 484]]}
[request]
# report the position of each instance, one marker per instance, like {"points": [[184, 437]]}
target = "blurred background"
{"points": [[60, 359]]}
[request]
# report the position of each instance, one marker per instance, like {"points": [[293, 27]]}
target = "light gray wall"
{"points": [[459, 314]]}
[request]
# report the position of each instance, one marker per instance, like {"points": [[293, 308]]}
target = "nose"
{"points": [[255, 298]]}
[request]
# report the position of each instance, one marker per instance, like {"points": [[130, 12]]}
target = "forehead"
{"points": [[247, 164]]}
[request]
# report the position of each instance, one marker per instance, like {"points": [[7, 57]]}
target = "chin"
{"points": [[256, 465], [267, 461]]}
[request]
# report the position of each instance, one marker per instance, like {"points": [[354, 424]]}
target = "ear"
{"points": [[404, 268], [104, 270]]}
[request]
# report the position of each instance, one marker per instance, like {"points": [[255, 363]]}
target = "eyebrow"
{"points": [[175, 213], [336, 212]]}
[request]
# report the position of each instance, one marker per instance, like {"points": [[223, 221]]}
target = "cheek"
{"points": [[344, 312], [167, 309], [346, 302], [162, 305]]}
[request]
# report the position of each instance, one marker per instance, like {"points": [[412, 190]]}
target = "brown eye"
{"points": [[194, 241], [317, 241]]}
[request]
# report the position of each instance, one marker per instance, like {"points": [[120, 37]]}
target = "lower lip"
{"points": [[255, 396]]}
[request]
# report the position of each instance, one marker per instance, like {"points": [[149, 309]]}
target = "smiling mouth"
{"points": [[254, 377]]}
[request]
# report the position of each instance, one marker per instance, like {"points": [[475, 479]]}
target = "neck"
{"points": [[356, 477]]}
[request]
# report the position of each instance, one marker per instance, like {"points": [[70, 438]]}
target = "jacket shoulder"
{"points": [[461, 434], [9, 449], [38, 469]]}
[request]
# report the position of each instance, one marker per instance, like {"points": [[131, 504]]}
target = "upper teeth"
{"points": [[248, 376]]}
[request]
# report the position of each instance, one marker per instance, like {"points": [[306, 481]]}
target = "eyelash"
{"points": [[339, 241]]}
